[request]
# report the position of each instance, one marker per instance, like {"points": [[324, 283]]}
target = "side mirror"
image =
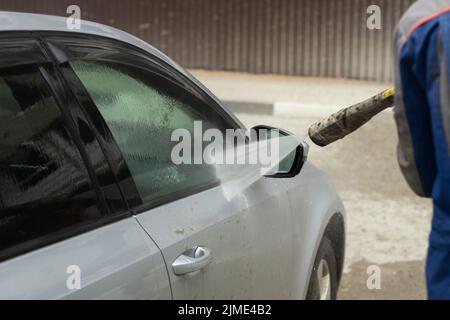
{"points": [[292, 164]]}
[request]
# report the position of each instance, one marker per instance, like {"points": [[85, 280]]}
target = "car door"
{"points": [[65, 231], [214, 247]]}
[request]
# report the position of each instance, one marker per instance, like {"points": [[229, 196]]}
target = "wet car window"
{"points": [[142, 109], [44, 185]]}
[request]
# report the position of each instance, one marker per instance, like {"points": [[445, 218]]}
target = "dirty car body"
{"points": [[90, 209]]}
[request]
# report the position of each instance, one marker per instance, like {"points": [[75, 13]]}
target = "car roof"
{"points": [[18, 21]]}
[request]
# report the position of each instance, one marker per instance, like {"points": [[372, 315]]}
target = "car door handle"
{"points": [[192, 260]]}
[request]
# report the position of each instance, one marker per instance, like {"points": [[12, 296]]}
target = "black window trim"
{"points": [[72, 231], [65, 89], [40, 54], [171, 71], [61, 102], [91, 109]]}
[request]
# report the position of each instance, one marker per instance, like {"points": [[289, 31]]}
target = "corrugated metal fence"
{"points": [[324, 38]]}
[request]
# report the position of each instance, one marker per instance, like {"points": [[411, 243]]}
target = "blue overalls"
{"points": [[422, 114]]}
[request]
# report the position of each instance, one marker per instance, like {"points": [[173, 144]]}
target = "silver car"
{"points": [[91, 207]]}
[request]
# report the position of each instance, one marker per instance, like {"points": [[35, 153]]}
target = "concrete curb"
{"points": [[284, 109], [280, 108], [250, 107]]}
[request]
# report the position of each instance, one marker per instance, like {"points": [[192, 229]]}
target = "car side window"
{"points": [[44, 185], [142, 109]]}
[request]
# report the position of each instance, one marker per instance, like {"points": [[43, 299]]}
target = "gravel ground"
{"points": [[387, 225]]}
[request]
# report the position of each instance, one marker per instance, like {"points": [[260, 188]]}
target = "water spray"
{"points": [[238, 176]]}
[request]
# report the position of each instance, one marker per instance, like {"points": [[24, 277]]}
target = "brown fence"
{"points": [[324, 38]]}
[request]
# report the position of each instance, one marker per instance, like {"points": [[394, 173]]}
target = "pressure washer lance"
{"points": [[347, 120]]}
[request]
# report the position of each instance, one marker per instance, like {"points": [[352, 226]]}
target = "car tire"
{"points": [[323, 284]]}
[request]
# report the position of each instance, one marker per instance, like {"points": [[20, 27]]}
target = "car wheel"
{"points": [[323, 281]]}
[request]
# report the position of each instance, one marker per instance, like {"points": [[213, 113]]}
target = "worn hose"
{"points": [[347, 120]]}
